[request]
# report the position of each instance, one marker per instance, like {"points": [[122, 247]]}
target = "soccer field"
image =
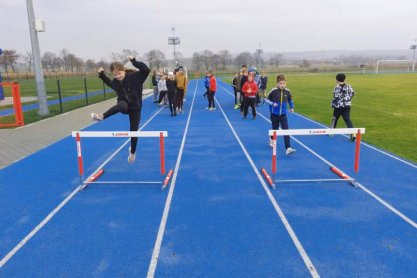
{"points": [[385, 104]]}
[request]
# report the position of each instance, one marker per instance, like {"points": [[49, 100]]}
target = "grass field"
{"points": [[385, 104]]}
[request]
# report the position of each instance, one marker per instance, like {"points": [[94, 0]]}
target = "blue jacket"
{"points": [[207, 82], [282, 98]]}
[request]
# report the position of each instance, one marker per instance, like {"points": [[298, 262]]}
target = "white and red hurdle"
{"points": [[272, 181], [121, 134]]}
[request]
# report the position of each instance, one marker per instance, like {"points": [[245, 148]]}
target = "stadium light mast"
{"points": [[259, 51], [34, 27], [174, 41], [413, 47]]}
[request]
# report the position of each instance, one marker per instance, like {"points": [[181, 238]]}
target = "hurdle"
{"points": [[272, 181], [93, 179]]}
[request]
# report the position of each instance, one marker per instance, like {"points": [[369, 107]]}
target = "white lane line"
{"points": [[369, 192], [278, 209], [63, 203], [162, 226]]}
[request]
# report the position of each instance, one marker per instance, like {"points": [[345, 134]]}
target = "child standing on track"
{"points": [[263, 82], [278, 99], [243, 80], [181, 88], [235, 88], [128, 87], [212, 91], [341, 103], [250, 89], [162, 88], [155, 80], [206, 84], [172, 93]]}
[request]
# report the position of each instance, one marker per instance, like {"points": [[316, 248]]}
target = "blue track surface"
{"points": [[221, 219]]}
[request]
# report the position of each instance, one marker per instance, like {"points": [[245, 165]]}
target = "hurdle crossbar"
{"points": [[120, 134], [324, 131]]}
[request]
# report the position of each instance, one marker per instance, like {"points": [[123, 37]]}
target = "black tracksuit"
{"points": [[129, 97], [172, 95]]}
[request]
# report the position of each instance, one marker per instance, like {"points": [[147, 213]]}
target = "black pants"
{"points": [[206, 93], [210, 97], [171, 100], [242, 101], [162, 95], [236, 96], [134, 119], [250, 102], [345, 113], [276, 121], [180, 98]]}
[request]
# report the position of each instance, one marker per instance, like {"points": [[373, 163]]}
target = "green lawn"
{"points": [[385, 104]]}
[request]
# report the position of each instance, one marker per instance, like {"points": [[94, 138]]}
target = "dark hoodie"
{"points": [[131, 87]]}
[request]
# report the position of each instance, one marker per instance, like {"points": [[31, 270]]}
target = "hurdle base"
{"points": [[167, 180]]}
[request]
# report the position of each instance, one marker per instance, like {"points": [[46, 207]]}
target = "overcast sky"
{"points": [[95, 28]]}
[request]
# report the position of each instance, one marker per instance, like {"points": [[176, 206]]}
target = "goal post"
{"points": [[396, 65]]}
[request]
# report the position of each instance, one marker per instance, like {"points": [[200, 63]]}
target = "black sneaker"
{"points": [[352, 137]]}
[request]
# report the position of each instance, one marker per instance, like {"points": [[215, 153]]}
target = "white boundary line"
{"points": [[278, 209], [162, 226], [369, 192], [63, 203]]}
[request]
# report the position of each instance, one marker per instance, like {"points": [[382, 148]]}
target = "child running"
{"points": [[172, 93], [250, 89], [278, 99], [341, 103], [128, 87]]}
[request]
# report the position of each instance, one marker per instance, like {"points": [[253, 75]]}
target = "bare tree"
{"points": [[47, 60], [90, 65], [102, 63], [196, 61], [72, 62], [276, 59], [244, 58], [9, 57], [79, 64], [226, 58], [206, 56], [216, 61], [156, 58], [65, 57], [58, 63], [27, 59], [305, 63]]}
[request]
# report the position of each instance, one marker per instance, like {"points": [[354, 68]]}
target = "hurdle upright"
{"points": [[315, 132], [121, 134]]}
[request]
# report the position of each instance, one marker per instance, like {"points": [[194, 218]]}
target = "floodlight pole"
{"points": [[259, 51], [413, 47], [174, 41], [40, 81]]}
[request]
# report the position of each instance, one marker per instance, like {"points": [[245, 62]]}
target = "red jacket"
{"points": [[253, 88], [213, 84]]}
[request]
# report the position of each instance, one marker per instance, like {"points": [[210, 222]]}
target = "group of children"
{"points": [[170, 88], [248, 85], [249, 88]]}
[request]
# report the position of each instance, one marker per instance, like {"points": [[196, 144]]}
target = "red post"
{"points": [[162, 152], [274, 153], [18, 104], [79, 156], [357, 151]]}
